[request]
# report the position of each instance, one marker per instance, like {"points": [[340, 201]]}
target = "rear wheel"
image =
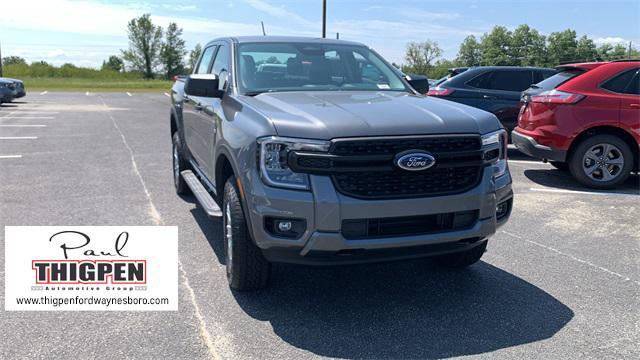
{"points": [[247, 269], [601, 161], [462, 259]]}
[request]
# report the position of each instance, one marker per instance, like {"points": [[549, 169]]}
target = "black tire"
{"points": [[462, 259], [563, 166], [582, 159], [247, 269], [179, 164]]}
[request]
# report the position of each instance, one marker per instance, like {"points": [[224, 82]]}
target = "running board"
{"points": [[206, 201]]}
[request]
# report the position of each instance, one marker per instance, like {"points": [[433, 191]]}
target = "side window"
{"points": [[220, 65], [222, 60], [511, 80], [634, 87], [622, 83], [205, 60], [482, 81]]}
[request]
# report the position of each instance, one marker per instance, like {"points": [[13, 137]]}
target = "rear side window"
{"points": [[623, 83], [634, 87], [503, 80], [558, 79], [205, 60]]}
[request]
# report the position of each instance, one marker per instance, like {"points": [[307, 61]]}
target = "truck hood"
{"points": [[333, 114]]}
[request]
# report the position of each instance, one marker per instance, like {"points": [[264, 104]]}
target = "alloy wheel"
{"points": [[603, 162]]}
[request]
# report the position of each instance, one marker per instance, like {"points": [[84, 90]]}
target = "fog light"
{"points": [[287, 228], [502, 209], [283, 225]]}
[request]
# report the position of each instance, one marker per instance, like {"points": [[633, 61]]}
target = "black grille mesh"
{"points": [[394, 146]]}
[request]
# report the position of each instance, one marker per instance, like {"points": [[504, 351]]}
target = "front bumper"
{"points": [[324, 208], [529, 146]]}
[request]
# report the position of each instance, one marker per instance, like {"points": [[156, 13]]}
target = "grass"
{"points": [[95, 85]]}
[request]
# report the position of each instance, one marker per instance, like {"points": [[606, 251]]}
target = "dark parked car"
{"points": [[19, 87], [7, 91], [492, 88], [450, 73], [585, 119]]}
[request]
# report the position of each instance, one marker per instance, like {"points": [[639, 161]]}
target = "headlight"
{"points": [[273, 153], [495, 145]]}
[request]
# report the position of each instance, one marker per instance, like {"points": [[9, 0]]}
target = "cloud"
{"points": [[614, 40], [424, 15], [57, 53]]}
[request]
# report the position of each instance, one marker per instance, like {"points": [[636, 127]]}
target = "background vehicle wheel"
{"points": [[462, 259], [247, 269], [602, 161], [179, 164], [559, 165]]}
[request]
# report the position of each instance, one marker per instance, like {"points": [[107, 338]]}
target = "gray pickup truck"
{"points": [[329, 156]]}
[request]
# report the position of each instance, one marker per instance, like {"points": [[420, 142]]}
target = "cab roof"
{"points": [[286, 39]]}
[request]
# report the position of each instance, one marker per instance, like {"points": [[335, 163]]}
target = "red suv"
{"points": [[585, 118]]}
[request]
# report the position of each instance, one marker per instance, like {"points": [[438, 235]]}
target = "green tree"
{"points": [[527, 47], [562, 47], [496, 47], [470, 53], [419, 56], [613, 52], [586, 49], [173, 51], [113, 63], [441, 68], [13, 60], [194, 55], [145, 43]]}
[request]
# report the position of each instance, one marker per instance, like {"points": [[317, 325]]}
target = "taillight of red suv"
{"points": [[556, 97]]}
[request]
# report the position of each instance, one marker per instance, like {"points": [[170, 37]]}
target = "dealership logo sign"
{"points": [[91, 268]]}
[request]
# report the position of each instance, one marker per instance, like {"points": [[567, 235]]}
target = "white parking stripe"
{"points": [[18, 137], [577, 192], [165, 94], [10, 156], [128, 93], [526, 162], [26, 117], [87, 93], [44, 92], [21, 125]]}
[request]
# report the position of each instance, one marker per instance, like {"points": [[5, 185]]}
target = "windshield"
{"points": [[558, 79], [267, 67]]}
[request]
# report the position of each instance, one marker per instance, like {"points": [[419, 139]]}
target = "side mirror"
{"points": [[204, 85], [419, 83]]}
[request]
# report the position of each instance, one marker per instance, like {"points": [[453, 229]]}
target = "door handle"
{"points": [[637, 106]]}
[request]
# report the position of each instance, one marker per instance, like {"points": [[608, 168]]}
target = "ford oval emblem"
{"points": [[415, 160]]}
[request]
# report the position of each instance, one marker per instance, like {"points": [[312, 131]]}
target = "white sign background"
{"points": [[158, 245]]}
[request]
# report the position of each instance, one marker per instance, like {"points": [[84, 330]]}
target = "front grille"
{"points": [[402, 184], [396, 145], [359, 229]]}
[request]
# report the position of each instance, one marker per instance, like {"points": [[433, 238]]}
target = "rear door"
{"points": [[501, 91], [627, 86], [191, 112]]}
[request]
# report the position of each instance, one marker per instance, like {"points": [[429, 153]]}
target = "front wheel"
{"points": [[601, 161], [247, 269], [462, 259]]}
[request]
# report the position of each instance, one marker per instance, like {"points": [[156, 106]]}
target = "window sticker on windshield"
{"points": [[384, 86]]}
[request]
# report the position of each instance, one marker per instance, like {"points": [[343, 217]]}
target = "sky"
{"points": [[87, 32]]}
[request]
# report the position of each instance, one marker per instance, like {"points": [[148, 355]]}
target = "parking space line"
{"points": [[44, 92], [526, 162], [10, 156], [18, 137], [586, 262], [128, 93], [87, 93], [21, 125], [578, 192], [167, 95], [26, 117]]}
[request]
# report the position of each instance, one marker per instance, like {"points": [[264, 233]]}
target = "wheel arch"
{"points": [[610, 130]]}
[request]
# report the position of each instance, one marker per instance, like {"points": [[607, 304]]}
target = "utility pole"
{"points": [[628, 56], [324, 19], [263, 32], [1, 75]]}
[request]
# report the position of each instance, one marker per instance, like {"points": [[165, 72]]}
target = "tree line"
{"points": [[524, 46]]}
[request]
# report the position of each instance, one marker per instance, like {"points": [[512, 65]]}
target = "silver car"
{"points": [[331, 157]]}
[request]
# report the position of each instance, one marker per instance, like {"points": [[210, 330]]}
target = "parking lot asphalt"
{"points": [[560, 281]]}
